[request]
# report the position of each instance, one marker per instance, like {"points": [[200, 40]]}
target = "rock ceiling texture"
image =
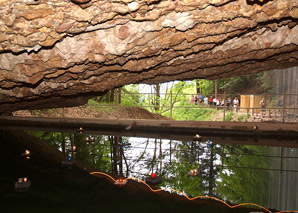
{"points": [[62, 52]]}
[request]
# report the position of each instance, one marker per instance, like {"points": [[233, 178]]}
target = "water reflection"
{"points": [[234, 173]]}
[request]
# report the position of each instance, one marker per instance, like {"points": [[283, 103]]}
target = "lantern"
{"points": [[197, 137], [120, 182], [22, 185], [153, 179]]}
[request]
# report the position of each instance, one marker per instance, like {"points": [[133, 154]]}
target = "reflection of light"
{"points": [[26, 154], [120, 182], [194, 172], [197, 138], [80, 130], [179, 192], [22, 180]]}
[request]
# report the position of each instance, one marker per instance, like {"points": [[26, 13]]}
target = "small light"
{"points": [[74, 148], [80, 130], [22, 185], [120, 182], [197, 137], [26, 154], [153, 179]]}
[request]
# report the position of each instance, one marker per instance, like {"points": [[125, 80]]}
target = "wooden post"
{"points": [[224, 114], [170, 151], [284, 108], [119, 96], [171, 106], [63, 143], [281, 157], [253, 109]]}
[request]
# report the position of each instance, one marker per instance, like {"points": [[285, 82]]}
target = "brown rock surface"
{"points": [[52, 51]]}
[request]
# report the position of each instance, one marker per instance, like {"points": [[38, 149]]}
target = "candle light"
{"points": [[26, 154], [80, 130], [120, 182]]}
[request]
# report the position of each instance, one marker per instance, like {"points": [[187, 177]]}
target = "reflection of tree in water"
{"points": [[194, 155], [241, 180], [229, 172], [95, 155]]}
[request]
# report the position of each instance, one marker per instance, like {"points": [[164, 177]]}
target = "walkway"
{"points": [[273, 134]]}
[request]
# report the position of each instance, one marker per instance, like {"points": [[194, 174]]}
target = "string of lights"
{"points": [[183, 194]]}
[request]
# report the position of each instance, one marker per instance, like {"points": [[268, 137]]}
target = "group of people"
{"points": [[215, 101]]}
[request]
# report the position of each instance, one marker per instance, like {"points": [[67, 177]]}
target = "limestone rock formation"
{"points": [[62, 52]]}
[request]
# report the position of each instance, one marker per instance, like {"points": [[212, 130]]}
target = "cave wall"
{"points": [[58, 52]]}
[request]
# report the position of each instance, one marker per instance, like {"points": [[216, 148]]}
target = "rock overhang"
{"points": [[54, 50]]}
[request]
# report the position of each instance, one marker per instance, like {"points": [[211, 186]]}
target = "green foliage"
{"points": [[99, 107], [130, 96], [239, 84], [94, 155], [266, 79], [194, 114], [229, 116], [36, 113], [205, 86], [240, 180], [243, 117]]}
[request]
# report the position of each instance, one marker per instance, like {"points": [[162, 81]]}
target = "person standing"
{"points": [[211, 101], [263, 106], [206, 100], [228, 103], [235, 104], [192, 99]]}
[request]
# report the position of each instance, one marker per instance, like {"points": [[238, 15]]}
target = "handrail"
{"points": [[281, 111]]}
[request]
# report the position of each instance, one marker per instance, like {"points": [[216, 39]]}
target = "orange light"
{"points": [[153, 175], [120, 180], [27, 152]]}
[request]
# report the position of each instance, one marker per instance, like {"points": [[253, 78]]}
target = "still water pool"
{"points": [[236, 173]]}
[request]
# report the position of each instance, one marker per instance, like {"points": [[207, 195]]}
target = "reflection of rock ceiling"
{"points": [[51, 50]]}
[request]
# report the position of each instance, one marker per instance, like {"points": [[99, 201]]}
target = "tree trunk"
{"points": [[112, 95], [215, 88], [157, 98]]}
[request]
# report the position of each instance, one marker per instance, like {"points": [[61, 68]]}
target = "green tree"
{"points": [[241, 180]]}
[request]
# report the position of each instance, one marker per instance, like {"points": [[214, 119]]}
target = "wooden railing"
{"points": [[280, 107]]}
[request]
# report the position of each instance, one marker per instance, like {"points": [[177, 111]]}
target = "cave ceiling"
{"points": [[62, 52]]}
